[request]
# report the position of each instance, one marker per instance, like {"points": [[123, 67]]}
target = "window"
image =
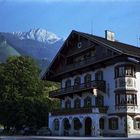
{"points": [[126, 99], [56, 124], [68, 83], [68, 104], [99, 75], [129, 82], [87, 55], [87, 102], [121, 71], [77, 81], [113, 123], [122, 82], [77, 124], [66, 124], [137, 123], [102, 123], [99, 100], [77, 103], [125, 70], [87, 78]]}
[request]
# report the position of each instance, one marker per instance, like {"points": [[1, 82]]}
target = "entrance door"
{"points": [[88, 126]]}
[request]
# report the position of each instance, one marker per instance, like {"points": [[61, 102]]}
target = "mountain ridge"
{"points": [[39, 34], [40, 44]]}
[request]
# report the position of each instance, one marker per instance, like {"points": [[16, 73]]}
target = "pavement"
{"points": [[63, 138]]}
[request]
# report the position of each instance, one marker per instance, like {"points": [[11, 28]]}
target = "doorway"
{"points": [[88, 126]]}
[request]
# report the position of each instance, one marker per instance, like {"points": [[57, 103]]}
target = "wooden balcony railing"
{"points": [[100, 84], [82, 110], [85, 63]]}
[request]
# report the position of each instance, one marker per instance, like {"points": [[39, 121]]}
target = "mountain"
{"points": [[40, 35], [40, 44]]}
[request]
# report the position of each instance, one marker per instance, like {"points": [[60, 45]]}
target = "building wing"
{"points": [[82, 50]]}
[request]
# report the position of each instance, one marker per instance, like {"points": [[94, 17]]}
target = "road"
{"points": [[63, 138]]}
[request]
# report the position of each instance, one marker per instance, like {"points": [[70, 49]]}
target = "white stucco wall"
{"points": [[109, 100]]}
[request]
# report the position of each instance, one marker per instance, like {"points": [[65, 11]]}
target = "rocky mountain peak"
{"points": [[41, 35]]}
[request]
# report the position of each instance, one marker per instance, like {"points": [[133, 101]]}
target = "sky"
{"points": [[63, 16]]}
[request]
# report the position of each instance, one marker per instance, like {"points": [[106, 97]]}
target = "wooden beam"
{"points": [[62, 55]]}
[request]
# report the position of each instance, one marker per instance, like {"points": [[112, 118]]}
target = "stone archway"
{"points": [[88, 126]]}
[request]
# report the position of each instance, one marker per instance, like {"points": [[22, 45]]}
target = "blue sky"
{"points": [[62, 16]]}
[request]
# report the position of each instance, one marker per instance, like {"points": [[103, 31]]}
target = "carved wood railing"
{"points": [[82, 64], [97, 84], [82, 110]]}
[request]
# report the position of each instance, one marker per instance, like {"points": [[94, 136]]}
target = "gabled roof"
{"points": [[117, 46]]}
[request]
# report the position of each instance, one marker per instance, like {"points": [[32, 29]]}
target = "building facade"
{"points": [[100, 87]]}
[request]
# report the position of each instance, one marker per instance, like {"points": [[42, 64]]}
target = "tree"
{"points": [[24, 98], [21, 93]]}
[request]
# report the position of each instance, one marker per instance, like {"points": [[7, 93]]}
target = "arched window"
{"points": [[102, 123], [87, 102], [77, 81], [68, 104], [87, 78], [113, 123], [77, 124], [99, 100], [137, 123], [56, 124], [99, 75], [66, 124], [68, 83], [77, 103]]}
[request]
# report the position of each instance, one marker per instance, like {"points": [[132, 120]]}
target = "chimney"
{"points": [[109, 35]]}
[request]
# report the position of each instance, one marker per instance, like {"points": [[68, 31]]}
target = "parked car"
{"points": [[44, 131]]}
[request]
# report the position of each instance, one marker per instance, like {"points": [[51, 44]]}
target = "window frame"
{"points": [[99, 75], [75, 103], [102, 123], [123, 70], [137, 123], [56, 124], [113, 123], [86, 102], [68, 104], [77, 81]]}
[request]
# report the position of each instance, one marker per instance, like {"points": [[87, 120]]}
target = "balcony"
{"points": [[80, 65], [82, 110], [100, 85]]}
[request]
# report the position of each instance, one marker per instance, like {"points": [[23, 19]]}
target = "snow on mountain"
{"points": [[40, 44], [41, 35]]}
